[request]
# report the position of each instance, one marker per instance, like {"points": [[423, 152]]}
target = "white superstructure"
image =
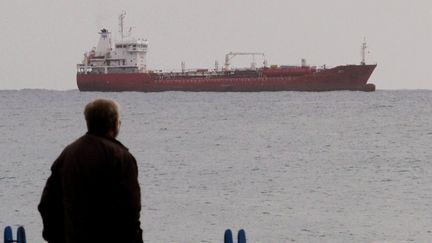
{"points": [[127, 55]]}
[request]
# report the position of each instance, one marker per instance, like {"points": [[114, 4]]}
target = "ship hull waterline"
{"points": [[349, 77]]}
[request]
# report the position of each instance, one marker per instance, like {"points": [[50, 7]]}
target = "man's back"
{"points": [[94, 191]]}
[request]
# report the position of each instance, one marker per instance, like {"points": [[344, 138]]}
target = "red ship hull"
{"points": [[349, 77]]}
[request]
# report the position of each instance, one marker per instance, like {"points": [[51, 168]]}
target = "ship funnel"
{"points": [[104, 44]]}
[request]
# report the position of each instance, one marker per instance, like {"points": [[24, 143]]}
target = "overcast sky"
{"points": [[42, 41]]}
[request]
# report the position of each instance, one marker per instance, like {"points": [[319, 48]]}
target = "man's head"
{"points": [[102, 117]]}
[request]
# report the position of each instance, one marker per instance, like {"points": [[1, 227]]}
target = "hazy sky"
{"points": [[42, 41]]}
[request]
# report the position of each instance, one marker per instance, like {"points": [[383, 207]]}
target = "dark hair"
{"points": [[101, 115]]}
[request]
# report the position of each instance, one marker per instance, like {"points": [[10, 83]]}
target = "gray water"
{"points": [[285, 166]]}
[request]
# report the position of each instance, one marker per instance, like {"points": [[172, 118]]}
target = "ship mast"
{"points": [[121, 18], [363, 48]]}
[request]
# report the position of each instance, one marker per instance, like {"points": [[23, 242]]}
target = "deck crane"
{"points": [[231, 55]]}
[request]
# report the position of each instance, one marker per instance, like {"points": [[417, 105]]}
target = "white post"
{"points": [[121, 18], [85, 63], [183, 66], [364, 46]]}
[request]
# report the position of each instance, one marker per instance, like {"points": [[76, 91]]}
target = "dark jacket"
{"points": [[92, 194]]}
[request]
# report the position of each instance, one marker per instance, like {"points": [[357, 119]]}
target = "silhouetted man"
{"points": [[93, 193]]}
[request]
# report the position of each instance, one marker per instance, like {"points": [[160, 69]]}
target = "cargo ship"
{"points": [[123, 67]]}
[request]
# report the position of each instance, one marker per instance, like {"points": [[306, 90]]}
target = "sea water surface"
{"points": [[284, 166]]}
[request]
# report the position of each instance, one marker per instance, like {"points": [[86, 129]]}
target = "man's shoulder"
{"points": [[93, 150], [95, 142], [96, 147]]}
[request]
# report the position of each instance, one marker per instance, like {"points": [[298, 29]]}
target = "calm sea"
{"points": [[285, 166]]}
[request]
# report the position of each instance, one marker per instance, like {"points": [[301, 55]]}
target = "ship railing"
{"points": [[190, 73], [84, 69], [199, 72], [321, 68]]}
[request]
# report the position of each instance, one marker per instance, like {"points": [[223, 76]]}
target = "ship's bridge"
{"points": [[128, 54], [134, 45]]}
